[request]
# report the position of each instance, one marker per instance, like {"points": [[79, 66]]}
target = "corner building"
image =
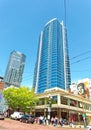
{"points": [[52, 67], [64, 104]]}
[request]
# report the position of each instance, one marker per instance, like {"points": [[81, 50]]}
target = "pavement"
{"points": [[9, 124], [67, 126]]}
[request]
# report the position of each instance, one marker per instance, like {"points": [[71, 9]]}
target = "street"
{"points": [[9, 124]]}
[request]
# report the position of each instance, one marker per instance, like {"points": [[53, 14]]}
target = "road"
{"points": [[9, 124]]}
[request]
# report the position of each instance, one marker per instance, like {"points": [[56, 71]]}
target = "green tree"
{"points": [[20, 98]]}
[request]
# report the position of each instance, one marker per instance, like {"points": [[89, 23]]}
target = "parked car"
{"points": [[88, 127], [16, 115], [2, 117], [27, 119]]}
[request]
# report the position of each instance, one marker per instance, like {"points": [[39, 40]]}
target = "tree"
{"points": [[21, 98]]}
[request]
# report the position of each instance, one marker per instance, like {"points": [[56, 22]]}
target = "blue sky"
{"points": [[22, 20]]}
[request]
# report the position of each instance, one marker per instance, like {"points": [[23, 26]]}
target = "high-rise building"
{"points": [[52, 67], [15, 67]]}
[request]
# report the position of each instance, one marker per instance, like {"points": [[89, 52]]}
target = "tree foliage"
{"points": [[20, 98]]}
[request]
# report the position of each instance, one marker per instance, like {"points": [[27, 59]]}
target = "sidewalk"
{"points": [[69, 127], [75, 126]]}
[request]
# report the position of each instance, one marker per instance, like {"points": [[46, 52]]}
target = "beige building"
{"points": [[60, 103]]}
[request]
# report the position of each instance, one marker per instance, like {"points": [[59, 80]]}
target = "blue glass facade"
{"points": [[15, 67], [52, 65]]}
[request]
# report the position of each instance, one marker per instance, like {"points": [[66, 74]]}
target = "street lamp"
{"points": [[84, 115], [49, 107]]}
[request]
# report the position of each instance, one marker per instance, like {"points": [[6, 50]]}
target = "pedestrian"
{"points": [[61, 121], [52, 120], [41, 120], [55, 121], [72, 123], [45, 120]]}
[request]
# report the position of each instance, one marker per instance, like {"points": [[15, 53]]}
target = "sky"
{"points": [[21, 22]]}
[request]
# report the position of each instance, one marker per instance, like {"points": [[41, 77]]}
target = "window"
{"points": [[64, 100], [54, 99], [73, 102], [41, 101]]}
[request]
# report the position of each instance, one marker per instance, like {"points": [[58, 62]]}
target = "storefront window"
{"points": [[87, 106], [51, 100], [41, 101], [64, 100], [80, 104], [73, 102], [83, 105], [73, 117], [54, 99]]}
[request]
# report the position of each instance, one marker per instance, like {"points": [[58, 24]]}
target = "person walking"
{"points": [[61, 121], [55, 121]]}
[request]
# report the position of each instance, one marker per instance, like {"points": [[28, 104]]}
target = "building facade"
{"points": [[61, 103], [52, 67], [15, 68]]}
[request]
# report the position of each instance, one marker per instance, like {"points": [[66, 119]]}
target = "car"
{"points": [[27, 119], [88, 127], [16, 115], [2, 117]]}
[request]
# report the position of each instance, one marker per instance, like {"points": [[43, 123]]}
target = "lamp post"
{"points": [[84, 119], [49, 107], [84, 115]]}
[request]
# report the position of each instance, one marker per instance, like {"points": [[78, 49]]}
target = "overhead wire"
{"points": [[81, 54], [81, 60]]}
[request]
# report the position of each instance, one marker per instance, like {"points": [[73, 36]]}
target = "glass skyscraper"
{"points": [[15, 67], [52, 67]]}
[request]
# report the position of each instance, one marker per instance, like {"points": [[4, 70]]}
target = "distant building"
{"points": [[52, 67], [14, 71]]}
